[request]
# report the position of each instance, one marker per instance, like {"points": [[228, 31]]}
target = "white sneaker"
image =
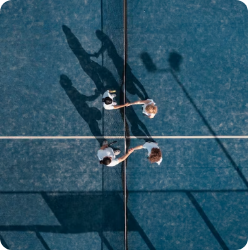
{"points": [[117, 152]]}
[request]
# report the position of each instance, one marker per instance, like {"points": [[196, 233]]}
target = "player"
{"points": [[149, 107], [154, 152], [107, 155], [108, 101]]}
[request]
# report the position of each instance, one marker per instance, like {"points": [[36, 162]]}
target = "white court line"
{"points": [[121, 137]]}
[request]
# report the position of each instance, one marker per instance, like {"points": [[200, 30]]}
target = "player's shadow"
{"points": [[174, 62], [90, 114], [104, 80], [133, 85], [100, 75]]}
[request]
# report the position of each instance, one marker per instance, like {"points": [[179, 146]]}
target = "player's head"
{"points": [[107, 100], [155, 155], [151, 109], [105, 161]]}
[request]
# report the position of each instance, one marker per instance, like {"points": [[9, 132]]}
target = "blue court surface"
{"points": [[190, 57]]}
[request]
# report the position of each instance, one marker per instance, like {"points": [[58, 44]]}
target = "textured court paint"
{"points": [[26, 209], [113, 26], [33, 54], [56, 165], [135, 240], [195, 70], [113, 240], [170, 222], [36, 100], [89, 219], [211, 37], [49, 165], [228, 213], [22, 240], [73, 241], [189, 164]]}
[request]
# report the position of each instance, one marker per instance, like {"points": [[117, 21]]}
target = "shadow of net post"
{"points": [[175, 61], [90, 114]]}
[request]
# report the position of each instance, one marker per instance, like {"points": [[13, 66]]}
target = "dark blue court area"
{"points": [[57, 58]]}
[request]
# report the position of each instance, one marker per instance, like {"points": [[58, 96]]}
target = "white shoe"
{"points": [[117, 152]]}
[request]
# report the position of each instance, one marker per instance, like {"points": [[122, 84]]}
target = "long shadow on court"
{"points": [[175, 60], [88, 212], [132, 83], [82, 213], [90, 114], [105, 80]]}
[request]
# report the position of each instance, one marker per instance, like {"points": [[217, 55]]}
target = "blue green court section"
{"points": [[57, 58]]}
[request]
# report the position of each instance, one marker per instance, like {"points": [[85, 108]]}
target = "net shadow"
{"points": [[82, 213]]}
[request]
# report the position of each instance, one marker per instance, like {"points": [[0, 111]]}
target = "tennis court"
{"points": [[190, 57]]}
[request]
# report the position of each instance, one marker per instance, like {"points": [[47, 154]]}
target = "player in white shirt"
{"points": [[107, 155], [108, 101], [149, 107], [154, 152]]}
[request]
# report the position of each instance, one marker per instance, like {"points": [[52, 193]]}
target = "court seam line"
{"points": [[123, 137]]}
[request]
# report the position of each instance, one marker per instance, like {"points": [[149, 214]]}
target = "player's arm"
{"points": [[121, 106], [124, 157], [138, 147], [139, 102]]}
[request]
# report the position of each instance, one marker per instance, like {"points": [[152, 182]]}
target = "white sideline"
{"points": [[121, 137]]}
